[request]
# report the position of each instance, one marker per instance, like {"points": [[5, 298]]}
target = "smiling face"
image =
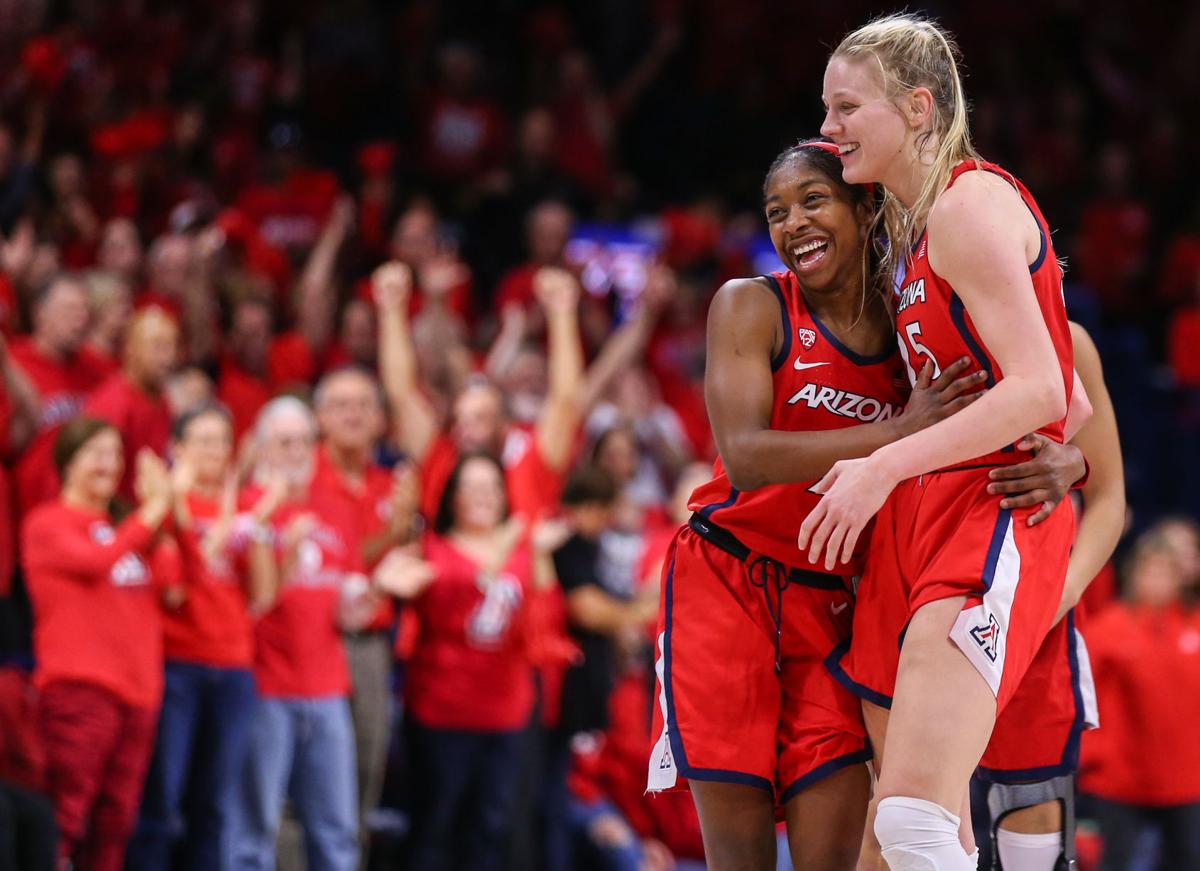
{"points": [[873, 136], [817, 228], [479, 502]]}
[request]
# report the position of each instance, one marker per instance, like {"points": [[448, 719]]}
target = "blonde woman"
{"points": [[958, 592]]}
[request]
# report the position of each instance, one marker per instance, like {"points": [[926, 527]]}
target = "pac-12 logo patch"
{"points": [[988, 637], [808, 338]]}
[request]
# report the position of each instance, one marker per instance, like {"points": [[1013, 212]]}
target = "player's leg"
{"points": [[940, 722], [1031, 838], [1036, 742], [738, 825], [825, 821], [876, 719], [870, 859], [718, 696]]}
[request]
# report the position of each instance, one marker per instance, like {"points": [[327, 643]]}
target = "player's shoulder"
{"points": [[747, 299], [977, 196]]}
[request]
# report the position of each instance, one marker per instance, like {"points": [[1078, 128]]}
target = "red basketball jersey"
{"points": [[820, 384], [932, 322]]}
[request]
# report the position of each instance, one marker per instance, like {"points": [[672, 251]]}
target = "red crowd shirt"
{"points": [[1146, 664], [533, 487], [144, 420], [298, 643], [96, 610], [63, 387], [469, 669], [363, 512], [213, 626]]}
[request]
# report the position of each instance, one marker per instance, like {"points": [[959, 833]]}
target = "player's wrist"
{"points": [[887, 465]]}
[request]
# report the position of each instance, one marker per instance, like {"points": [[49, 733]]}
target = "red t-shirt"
{"points": [[469, 669], [533, 487], [63, 387], [96, 611], [1146, 664], [213, 626], [363, 512], [143, 420], [299, 651]]}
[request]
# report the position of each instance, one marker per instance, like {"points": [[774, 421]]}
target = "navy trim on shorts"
{"points": [[853, 356], [1003, 519], [717, 775], [785, 350], [833, 663], [1069, 761], [824, 770]]}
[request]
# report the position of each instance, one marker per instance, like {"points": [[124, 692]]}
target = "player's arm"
{"points": [[1103, 518], [744, 329], [979, 234], [1080, 409], [977, 242]]}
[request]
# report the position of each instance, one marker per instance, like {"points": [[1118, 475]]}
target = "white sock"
{"points": [[1021, 852], [973, 858], [918, 835]]}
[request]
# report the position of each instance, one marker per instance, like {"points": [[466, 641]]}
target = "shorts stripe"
{"points": [[824, 770], [1086, 717], [664, 766], [981, 632], [833, 662]]}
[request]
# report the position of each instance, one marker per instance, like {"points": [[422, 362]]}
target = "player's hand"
{"points": [[935, 399], [853, 490], [1046, 477]]}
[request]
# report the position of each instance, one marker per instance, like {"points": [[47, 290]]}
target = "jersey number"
{"points": [[913, 332]]}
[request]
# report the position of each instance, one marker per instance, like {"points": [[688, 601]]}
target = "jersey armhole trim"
{"points": [[785, 350], [1041, 257]]}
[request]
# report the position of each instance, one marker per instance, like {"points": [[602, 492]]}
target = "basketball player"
{"points": [[980, 279]]}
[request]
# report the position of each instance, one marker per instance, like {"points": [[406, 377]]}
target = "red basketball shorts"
{"points": [[943, 535], [1037, 735], [724, 713]]}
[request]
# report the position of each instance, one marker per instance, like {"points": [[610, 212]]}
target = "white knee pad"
{"points": [[1021, 852], [918, 835]]}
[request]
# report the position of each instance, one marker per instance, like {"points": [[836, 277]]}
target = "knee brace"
{"points": [[918, 835], [1032, 851]]}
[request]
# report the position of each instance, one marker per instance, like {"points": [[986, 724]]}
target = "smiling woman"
{"points": [[798, 362], [979, 279]]}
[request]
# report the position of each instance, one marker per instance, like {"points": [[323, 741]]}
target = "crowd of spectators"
{"points": [[313, 257]]}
